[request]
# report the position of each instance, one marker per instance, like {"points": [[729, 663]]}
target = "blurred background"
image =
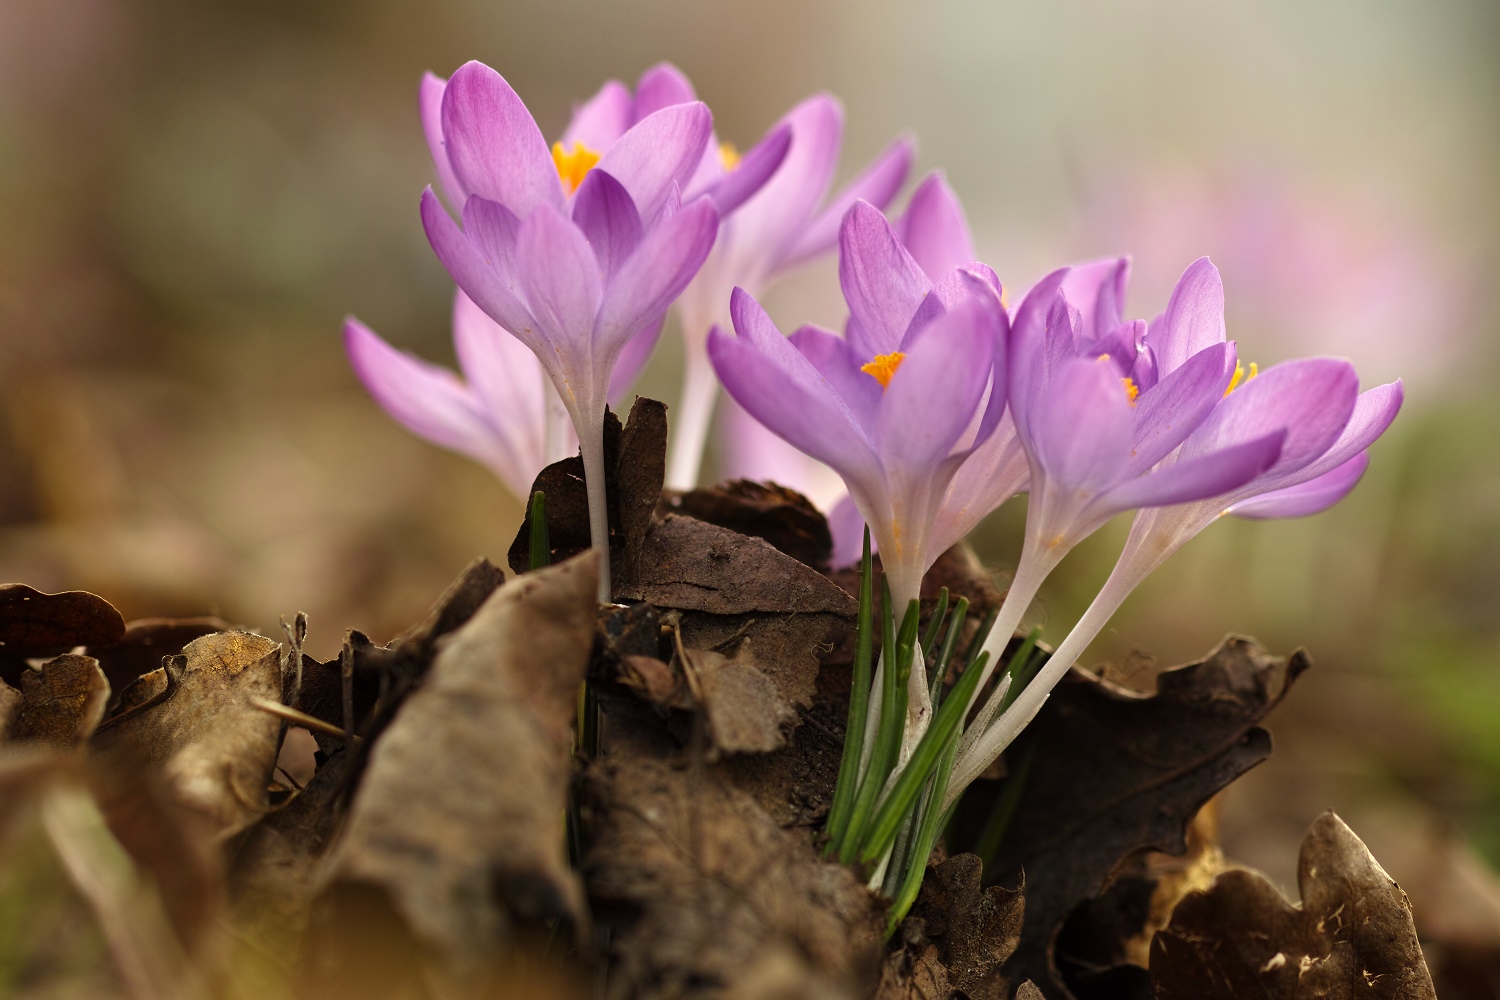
{"points": [[193, 195]]}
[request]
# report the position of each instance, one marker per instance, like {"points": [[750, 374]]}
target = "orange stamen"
{"points": [[728, 155], [573, 164], [883, 367], [1239, 373]]}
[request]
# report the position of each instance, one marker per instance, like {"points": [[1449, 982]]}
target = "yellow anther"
{"points": [[573, 164], [1131, 389], [883, 367], [728, 155], [1239, 373]]}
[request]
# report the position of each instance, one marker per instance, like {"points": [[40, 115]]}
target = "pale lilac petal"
{"points": [[847, 526], [1304, 499], [933, 228], [1194, 318], [633, 357], [662, 86], [1374, 411], [493, 230], [1311, 398], [427, 400], [560, 276], [1196, 478], [1169, 411], [794, 402], [494, 144], [602, 119], [1081, 429], [753, 171], [1097, 290], [877, 185], [430, 107], [1027, 347], [605, 213], [658, 152], [502, 371], [932, 397], [479, 280], [881, 282], [993, 473], [661, 267], [832, 356], [768, 223]]}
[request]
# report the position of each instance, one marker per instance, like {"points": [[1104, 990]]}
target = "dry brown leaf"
{"points": [[146, 642], [1352, 936], [34, 625], [212, 746], [62, 703], [10, 707], [458, 818], [746, 713], [781, 516]]}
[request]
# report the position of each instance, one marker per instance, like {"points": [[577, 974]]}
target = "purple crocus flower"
{"points": [[775, 230], [575, 255], [504, 412]]}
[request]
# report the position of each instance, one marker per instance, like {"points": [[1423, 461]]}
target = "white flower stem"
{"points": [[556, 422], [700, 391], [591, 445]]}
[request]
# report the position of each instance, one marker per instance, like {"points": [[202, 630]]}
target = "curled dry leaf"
{"points": [[10, 707], [33, 624], [781, 516], [1353, 935], [201, 729], [458, 818], [62, 703], [1115, 773], [146, 642], [702, 888]]}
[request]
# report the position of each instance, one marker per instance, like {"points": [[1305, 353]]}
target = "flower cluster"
{"points": [[935, 404]]}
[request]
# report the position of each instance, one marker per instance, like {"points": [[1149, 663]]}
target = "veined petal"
{"points": [[994, 471], [1311, 398], [1194, 318], [479, 280], [662, 86], [877, 185], [429, 401], [505, 377], [560, 276], [494, 144], [430, 107], [933, 228], [1027, 351], [1196, 478], [1169, 411], [658, 152], [602, 119], [882, 283], [605, 213], [933, 397], [1081, 428], [493, 230], [755, 168], [1304, 499], [668, 256], [767, 224], [832, 356], [1374, 411], [1097, 290], [847, 527], [791, 399]]}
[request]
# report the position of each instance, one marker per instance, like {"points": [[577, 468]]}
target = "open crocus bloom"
{"points": [[779, 227], [503, 413], [573, 258]]}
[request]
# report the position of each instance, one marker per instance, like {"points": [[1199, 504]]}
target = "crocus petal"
{"points": [[1194, 318], [502, 371], [658, 152], [1196, 478], [605, 213], [602, 119], [1169, 411], [493, 230], [754, 169], [1097, 289], [479, 280], [1374, 411], [792, 400], [662, 86], [847, 527], [1027, 349], [427, 400], [1312, 497], [934, 230], [560, 276], [1081, 429], [1311, 398], [666, 260], [430, 107], [771, 220], [882, 283], [633, 357], [494, 144], [932, 397], [832, 356], [877, 185]]}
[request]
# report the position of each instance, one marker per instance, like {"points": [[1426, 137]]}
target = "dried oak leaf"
{"points": [[746, 713], [1352, 936], [1115, 773], [202, 730], [781, 516], [33, 624], [62, 703], [457, 820], [146, 642], [959, 935], [702, 888], [10, 707]]}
